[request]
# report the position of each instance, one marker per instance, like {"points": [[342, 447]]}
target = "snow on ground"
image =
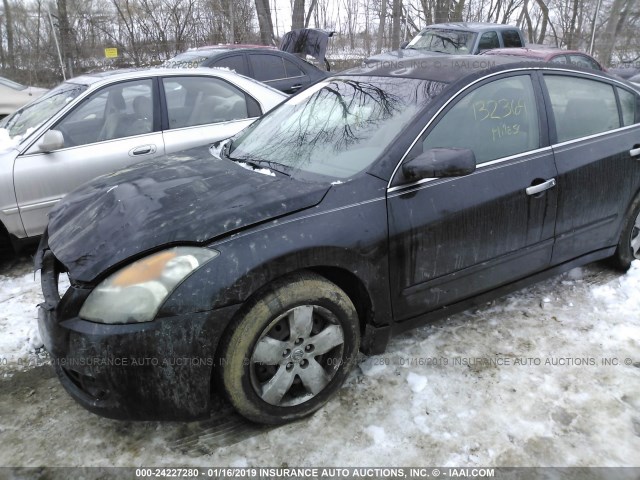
{"points": [[20, 341], [549, 375]]}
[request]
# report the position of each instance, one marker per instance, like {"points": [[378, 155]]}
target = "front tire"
{"points": [[629, 245], [290, 349]]}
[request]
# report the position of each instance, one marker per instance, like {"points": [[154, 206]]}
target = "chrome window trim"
{"points": [[480, 165], [595, 135], [279, 79], [207, 125], [513, 70]]}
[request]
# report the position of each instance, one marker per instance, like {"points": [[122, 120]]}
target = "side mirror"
{"points": [[440, 162], [50, 141], [403, 45]]}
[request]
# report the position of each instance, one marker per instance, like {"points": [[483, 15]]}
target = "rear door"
{"points": [[277, 72], [112, 128], [201, 110], [453, 238], [595, 131]]}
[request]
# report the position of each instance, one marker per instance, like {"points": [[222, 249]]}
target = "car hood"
{"points": [[401, 54], [190, 197]]}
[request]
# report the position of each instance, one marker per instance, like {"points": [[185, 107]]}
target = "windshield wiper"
{"points": [[254, 162], [257, 162]]}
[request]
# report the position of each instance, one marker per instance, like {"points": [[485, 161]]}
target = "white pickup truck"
{"points": [[456, 39]]}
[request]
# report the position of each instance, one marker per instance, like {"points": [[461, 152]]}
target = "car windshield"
{"points": [[454, 42], [336, 128], [28, 118]]}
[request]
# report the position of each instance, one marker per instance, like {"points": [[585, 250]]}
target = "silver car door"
{"points": [[203, 110], [111, 129]]}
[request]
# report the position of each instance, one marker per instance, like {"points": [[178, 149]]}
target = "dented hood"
{"points": [[183, 198]]}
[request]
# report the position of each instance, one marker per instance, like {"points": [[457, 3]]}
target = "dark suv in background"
{"points": [[278, 69]]}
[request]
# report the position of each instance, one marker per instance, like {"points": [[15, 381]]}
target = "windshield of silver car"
{"points": [[28, 118]]}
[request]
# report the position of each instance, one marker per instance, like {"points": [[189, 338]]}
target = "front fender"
{"points": [[351, 238]]}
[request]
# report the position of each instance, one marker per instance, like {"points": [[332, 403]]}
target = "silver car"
{"points": [[100, 123]]}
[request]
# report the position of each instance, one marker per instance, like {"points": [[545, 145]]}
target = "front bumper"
{"points": [[159, 370]]}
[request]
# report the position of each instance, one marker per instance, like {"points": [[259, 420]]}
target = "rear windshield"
{"points": [[454, 42]]}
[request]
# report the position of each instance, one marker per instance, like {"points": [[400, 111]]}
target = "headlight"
{"points": [[135, 293]]}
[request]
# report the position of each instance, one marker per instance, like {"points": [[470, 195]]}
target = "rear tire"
{"points": [[290, 349], [628, 248]]}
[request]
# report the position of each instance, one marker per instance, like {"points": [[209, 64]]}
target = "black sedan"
{"points": [[281, 70], [370, 203]]}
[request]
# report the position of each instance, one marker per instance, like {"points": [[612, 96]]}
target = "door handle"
{"points": [[142, 150], [635, 152], [295, 87], [541, 187]]}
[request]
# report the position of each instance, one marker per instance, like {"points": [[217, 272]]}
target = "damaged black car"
{"points": [[370, 203]]}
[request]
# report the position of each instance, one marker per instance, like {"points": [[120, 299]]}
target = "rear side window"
{"points": [[488, 41], [511, 39], [583, 62], [193, 101], [267, 67], [234, 62], [559, 59], [292, 69], [628, 105], [581, 107], [496, 120]]}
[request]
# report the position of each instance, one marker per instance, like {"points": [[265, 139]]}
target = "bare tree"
{"points": [[381, 25], [607, 40], [10, 59], [264, 21], [396, 14]]}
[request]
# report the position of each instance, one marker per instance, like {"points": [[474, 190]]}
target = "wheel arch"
{"points": [[355, 289]]}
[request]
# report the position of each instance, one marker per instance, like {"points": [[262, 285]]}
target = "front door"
{"points": [[453, 238], [114, 127]]}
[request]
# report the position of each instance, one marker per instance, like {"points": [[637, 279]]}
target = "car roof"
{"points": [[232, 46], [445, 68], [110, 76], [523, 52], [452, 68], [533, 51], [214, 50], [472, 26]]}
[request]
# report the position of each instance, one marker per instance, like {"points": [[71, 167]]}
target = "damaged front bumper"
{"points": [[159, 370]]}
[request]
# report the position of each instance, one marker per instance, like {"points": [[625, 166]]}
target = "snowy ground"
{"points": [[520, 382]]}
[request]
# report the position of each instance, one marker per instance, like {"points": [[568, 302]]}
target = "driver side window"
{"points": [[117, 111], [496, 120]]}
